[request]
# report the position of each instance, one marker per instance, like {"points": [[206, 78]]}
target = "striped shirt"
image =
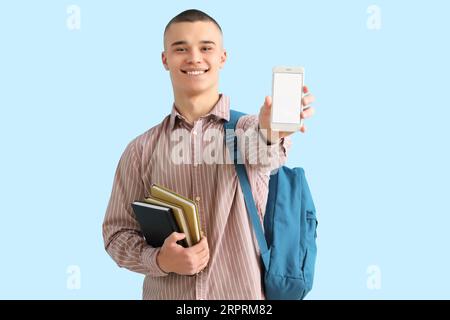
{"points": [[234, 270]]}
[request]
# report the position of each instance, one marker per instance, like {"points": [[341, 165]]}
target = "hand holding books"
{"points": [[184, 261], [168, 219]]}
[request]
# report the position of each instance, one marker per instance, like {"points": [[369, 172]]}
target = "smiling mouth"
{"points": [[194, 72]]}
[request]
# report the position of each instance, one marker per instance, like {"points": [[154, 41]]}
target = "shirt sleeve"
{"points": [[258, 153], [121, 233]]}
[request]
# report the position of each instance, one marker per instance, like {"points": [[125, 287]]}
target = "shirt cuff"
{"points": [[149, 260]]}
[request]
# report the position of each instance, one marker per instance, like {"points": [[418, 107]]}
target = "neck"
{"points": [[192, 107]]}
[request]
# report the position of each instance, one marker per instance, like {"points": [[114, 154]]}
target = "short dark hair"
{"points": [[191, 15]]}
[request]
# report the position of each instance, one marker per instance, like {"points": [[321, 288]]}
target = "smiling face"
{"points": [[194, 54]]}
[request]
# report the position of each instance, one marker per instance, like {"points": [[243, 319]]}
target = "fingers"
{"points": [[203, 262], [204, 259], [199, 247], [203, 266], [201, 255], [308, 99], [307, 113]]}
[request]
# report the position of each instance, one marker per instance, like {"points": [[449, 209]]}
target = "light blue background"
{"points": [[376, 153]]}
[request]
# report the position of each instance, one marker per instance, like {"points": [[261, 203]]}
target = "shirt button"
{"points": [[194, 133], [197, 198]]}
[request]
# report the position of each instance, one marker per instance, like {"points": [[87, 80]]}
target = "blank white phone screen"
{"points": [[287, 96]]}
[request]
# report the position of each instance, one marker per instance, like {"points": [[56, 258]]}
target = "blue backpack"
{"points": [[288, 246]]}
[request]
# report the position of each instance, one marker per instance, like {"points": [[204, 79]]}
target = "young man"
{"points": [[225, 264]]}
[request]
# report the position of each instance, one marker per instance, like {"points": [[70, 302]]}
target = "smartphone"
{"points": [[287, 93]]}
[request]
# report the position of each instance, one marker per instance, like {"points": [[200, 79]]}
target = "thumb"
{"points": [[175, 236], [268, 102], [265, 109]]}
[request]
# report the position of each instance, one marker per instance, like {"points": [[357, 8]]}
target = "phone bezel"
{"points": [[281, 126]]}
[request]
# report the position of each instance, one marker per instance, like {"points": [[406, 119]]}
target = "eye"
{"points": [[207, 48], [180, 49]]}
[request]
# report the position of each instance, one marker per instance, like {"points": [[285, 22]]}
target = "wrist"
{"points": [[266, 134], [160, 262]]}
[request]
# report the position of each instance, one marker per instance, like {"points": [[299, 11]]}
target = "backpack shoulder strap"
{"points": [[231, 142], [234, 118]]}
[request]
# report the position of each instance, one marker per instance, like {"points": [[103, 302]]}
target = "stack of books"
{"points": [[164, 212]]}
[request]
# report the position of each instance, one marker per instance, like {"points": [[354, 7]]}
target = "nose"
{"points": [[195, 56]]}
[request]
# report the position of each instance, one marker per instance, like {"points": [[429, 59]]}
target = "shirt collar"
{"points": [[221, 110]]}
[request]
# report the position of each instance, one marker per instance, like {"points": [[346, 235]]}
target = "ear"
{"points": [[164, 60], [223, 58]]}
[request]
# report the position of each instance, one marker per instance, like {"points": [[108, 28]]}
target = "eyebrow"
{"points": [[182, 42]]}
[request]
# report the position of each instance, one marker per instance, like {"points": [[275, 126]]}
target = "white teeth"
{"points": [[195, 73]]}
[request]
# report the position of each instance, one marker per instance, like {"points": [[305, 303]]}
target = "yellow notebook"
{"points": [[189, 207], [179, 217]]}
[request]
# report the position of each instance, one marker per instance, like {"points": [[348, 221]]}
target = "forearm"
{"points": [[129, 250]]}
